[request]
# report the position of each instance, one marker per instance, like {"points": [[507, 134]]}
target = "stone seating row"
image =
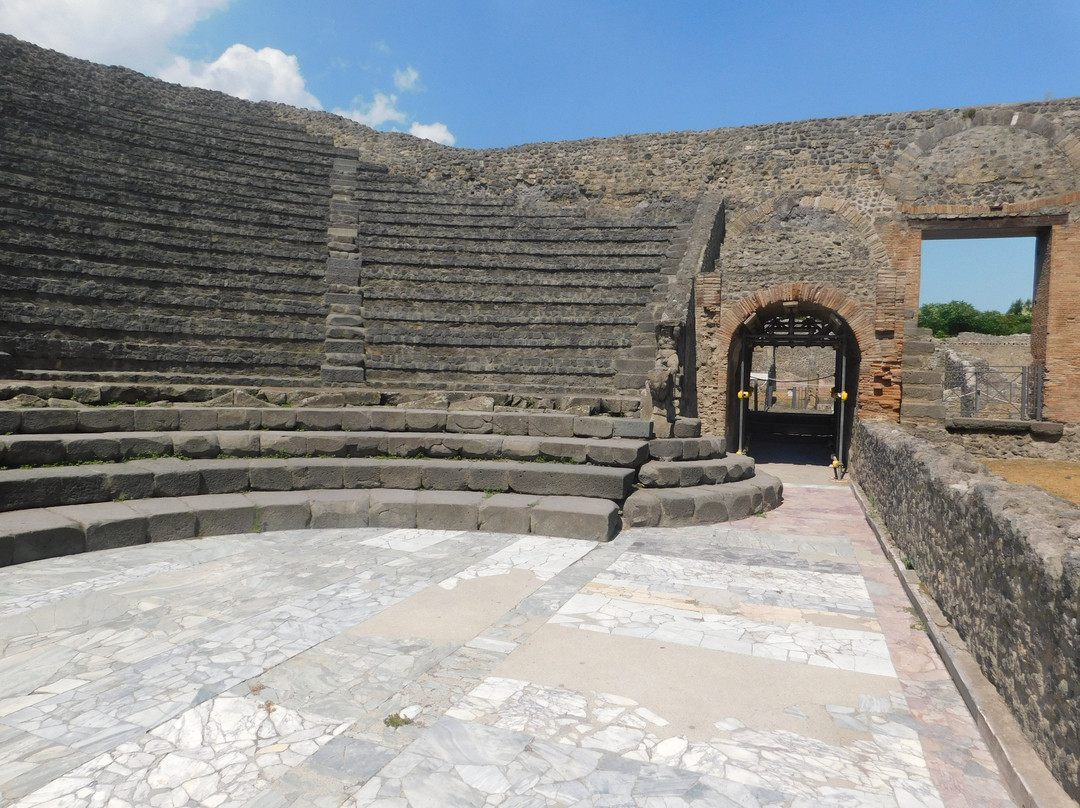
{"points": [[702, 504], [20, 451], [46, 420], [22, 489], [43, 533]]}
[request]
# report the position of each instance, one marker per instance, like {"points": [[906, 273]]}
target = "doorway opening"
{"points": [[793, 377], [989, 272]]}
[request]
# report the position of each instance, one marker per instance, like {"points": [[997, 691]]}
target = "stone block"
{"points": [[239, 418], [642, 509], [922, 392], [106, 419], [425, 420], [632, 428], [35, 450], [920, 409], [317, 472], [510, 423], [10, 422], [78, 449], [366, 444], [327, 444], [551, 425], [447, 510], [196, 419], [361, 473], [196, 445], [318, 419], [337, 509], [445, 475], [387, 419], [239, 444], [144, 444], [489, 476], [355, 419], [476, 447], [407, 445], [222, 514], [403, 474], [31, 535], [593, 427], [270, 474], [278, 419], [471, 422], [28, 488], [167, 519], [564, 449], [124, 481], [677, 506], [552, 479], [80, 484], [687, 428], [390, 507], [506, 513], [39, 421], [520, 447], [287, 444], [109, 524], [575, 518], [172, 477], [221, 476], [618, 452], [280, 510], [155, 419]]}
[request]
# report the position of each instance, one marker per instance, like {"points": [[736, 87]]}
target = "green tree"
{"points": [[949, 319]]}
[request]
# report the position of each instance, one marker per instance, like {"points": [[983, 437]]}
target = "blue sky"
{"points": [[490, 73]]}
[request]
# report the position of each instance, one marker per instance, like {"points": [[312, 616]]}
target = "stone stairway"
{"points": [[76, 479]]}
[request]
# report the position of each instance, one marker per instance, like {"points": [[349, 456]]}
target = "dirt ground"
{"points": [[1059, 477]]}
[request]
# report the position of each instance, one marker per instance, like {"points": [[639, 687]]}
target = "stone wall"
{"points": [[1003, 562], [204, 221]]}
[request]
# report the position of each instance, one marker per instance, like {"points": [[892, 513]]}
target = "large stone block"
{"points": [[124, 481], [195, 444], [106, 419], [551, 425], [445, 475], [391, 507], [318, 419], [222, 514], [425, 420], [172, 477], [506, 513], [336, 509], [109, 524], [270, 474], [38, 421], [196, 419], [387, 419], [34, 534], [221, 476], [144, 444], [403, 474], [471, 422], [591, 427], [34, 450], [447, 510], [167, 519], [575, 518], [552, 479], [280, 510], [361, 473], [78, 449], [632, 428], [317, 472]]}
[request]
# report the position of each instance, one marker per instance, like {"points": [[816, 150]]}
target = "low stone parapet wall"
{"points": [[1002, 562]]}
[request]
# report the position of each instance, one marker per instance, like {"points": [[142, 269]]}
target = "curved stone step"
{"points": [[704, 504], [20, 451], [689, 473], [55, 420], [680, 449], [30, 535], [22, 489]]}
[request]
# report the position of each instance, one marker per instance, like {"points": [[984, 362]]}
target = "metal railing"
{"points": [[976, 390]]}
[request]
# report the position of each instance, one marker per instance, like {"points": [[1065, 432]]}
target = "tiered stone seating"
{"points": [[479, 293], [87, 478], [154, 229]]}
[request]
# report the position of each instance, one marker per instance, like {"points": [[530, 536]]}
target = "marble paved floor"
{"points": [[768, 662]]}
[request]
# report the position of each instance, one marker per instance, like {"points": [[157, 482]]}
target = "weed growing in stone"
{"points": [[396, 720]]}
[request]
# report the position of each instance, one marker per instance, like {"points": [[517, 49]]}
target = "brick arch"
{"points": [[1057, 137], [852, 313]]}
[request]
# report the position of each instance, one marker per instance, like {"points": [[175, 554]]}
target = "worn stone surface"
{"points": [[997, 560]]}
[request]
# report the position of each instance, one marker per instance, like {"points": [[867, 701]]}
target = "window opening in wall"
{"points": [[989, 274], [977, 295]]}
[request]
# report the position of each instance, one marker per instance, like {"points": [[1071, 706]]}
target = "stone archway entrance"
{"points": [[793, 377]]}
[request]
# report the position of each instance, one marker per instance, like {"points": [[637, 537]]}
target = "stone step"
{"points": [[482, 230], [547, 424], [509, 279], [22, 489], [568, 262], [35, 534], [689, 473], [679, 449], [704, 504], [21, 451]]}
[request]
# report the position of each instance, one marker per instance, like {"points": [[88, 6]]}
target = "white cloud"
{"points": [[406, 79], [433, 131], [257, 75], [134, 33], [382, 110]]}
